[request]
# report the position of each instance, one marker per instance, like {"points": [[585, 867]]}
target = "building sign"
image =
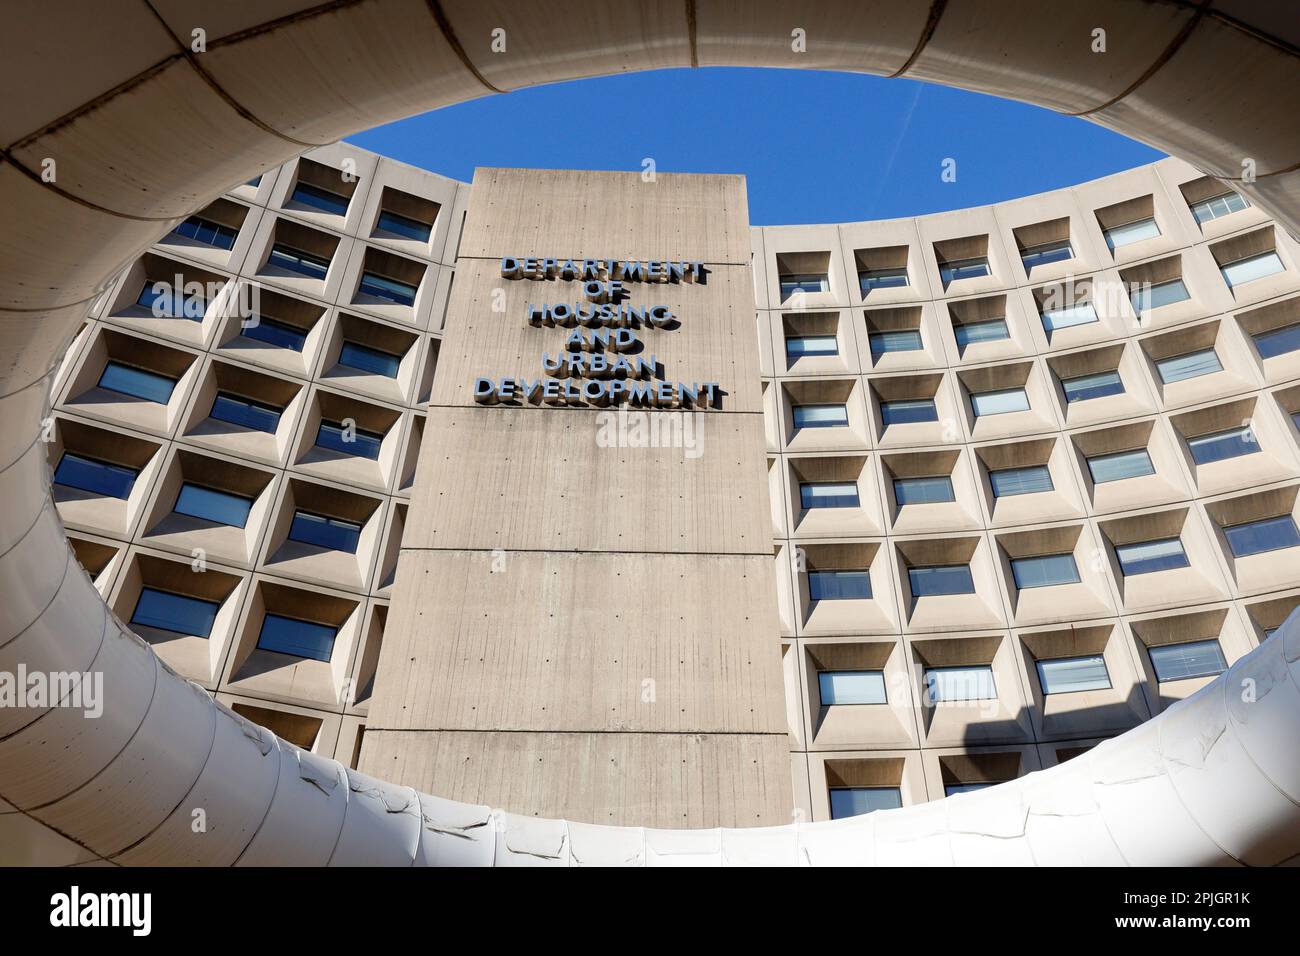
{"points": [[604, 358]]}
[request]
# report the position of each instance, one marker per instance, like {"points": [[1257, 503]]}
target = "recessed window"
{"points": [[1232, 443], [903, 340], [1083, 388], [93, 475], [1044, 570], [206, 231], [828, 494], [806, 282], [1256, 537], [957, 269], [1216, 207], [279, 334], [1066, 317], [952, 789], [1008, 482], [334, 534], [393, 225], [288, 635], [1185, 661], [936, 579], [238, 410], [213, 505], [349, 441], [1119, 236], [377, 286], [1251, 268], [999, 402], [1069, 675], [137, 382], [960, 683], [839, 585], [165, 301], [1147, 557], [367, 359], [177, 613], [298, 262], [1119, 465], [1179, 368], [869, 279], [855, 801], [909, 411], [1046, 253], [920, 491], [820, 416], [1278, 341], [255, 181], [972, 333], [323, 199], [851, 687], [1145, 297], [797, 346]]}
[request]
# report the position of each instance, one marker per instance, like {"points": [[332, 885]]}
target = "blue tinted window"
{"points": [[332, 533], [1145, 557], [1068, 675], [940, 579], [1000, 402], [212, 505], [91, 474], [919, 491], [334, 437], [855, 801], [796, 346], [207, 232], [396, 226], [1069, 316], [1218, 206], [1278, 341], [128, 380], [1220, 445], [904, 340], [1118, 236], [246, 412], [963, 269], [1056, 251], [882, 279], [1020, 481], [839, 585], [175, 612], [1178, 368], [1120, 465], [288, 635], [390, 290], [1251, 268], [972, 333], [165, 301], [820, 416], [321, 199], [810, 283], [1143, 298], [299, 262], [280, 334], [952, 789], [1254, 537], [1184, 661], [909, 411], [973, 682], [851, 687], [366, 359], [1083, 388], [828, 494], [1044, 570]]}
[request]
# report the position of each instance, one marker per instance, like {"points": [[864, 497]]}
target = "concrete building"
{"points": [[951, 499]]}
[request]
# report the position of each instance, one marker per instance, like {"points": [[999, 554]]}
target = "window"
{"points": [[322, 199], [1058, 250], [869, 279], [335, 437], [93, 475], [390, 290], [299, 262], [165, 301], [1069, 675], [905, 340], [1146, 557], [393, 225], [213, 505], [1119, 236], [136, 382], [999, 402], [1120, 465], [174, 612], [1185, 661], [255, 181], [959, 683], [940, 579], [1251, 268], [908, 411], [1068, 316], [1179, 368], [839, 585], [804, 282], [820, 416], [332, 533], [1255, 537], [1149, 296], [952, 789], [920, 491], [207, 232], [275, 333], [1220, 445], [1216, 207], [972, 333], [1044, 570], [245, 411], [851, 687], [288, 635], [855, 801], [1278, 341], [956, 269], [828, 494], [365, 359], [1083, 388], [1008, 482], [795, 346]]}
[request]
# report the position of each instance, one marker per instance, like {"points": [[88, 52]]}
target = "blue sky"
{"points": [[816, 147]]}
